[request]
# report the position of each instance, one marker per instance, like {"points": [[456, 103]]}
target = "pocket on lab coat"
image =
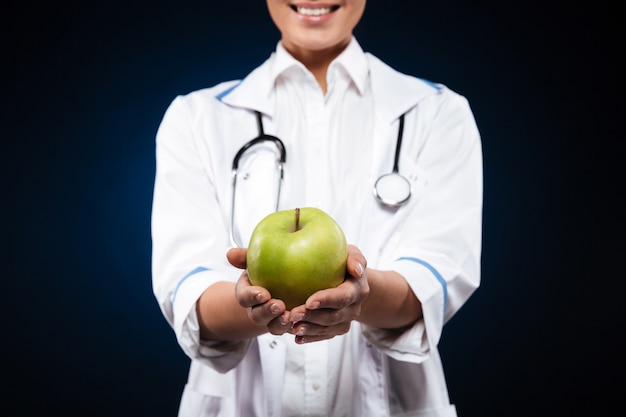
{"points": [[208, 393], [388, 220], [197, 404], [447, 411]]}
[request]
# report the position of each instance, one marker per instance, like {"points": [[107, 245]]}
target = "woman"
{"points": [[369, 346]]}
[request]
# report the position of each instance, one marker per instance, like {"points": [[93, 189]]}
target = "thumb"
{"points": [[237, 257], [356, 262]]}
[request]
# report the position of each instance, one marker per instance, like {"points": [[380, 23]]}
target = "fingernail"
{"points": [[274, 308], [297, 317], [359, 269]]}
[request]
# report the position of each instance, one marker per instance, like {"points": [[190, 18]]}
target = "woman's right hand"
{"points": [[262, 309]]}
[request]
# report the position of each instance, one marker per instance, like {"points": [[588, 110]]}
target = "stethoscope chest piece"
{"points": [[392, 190]]}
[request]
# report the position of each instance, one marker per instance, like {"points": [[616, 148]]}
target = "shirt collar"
{"points": [[282, 62], [395, 92], [352, 60]]}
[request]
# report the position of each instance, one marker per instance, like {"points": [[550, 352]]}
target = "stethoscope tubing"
{"points": [[263, 137], [395, 177], [398, 188], [396, 157]]}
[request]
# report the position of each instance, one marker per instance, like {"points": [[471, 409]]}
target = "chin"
{"points": [[317, 43]]}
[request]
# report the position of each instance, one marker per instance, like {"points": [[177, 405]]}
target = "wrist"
{"points": [[391, 303]]}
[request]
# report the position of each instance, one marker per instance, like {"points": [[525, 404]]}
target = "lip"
{"points": [[314, 18]]}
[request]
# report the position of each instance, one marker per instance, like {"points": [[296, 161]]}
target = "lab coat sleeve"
{"points": [[188, 233], [437, 245]]}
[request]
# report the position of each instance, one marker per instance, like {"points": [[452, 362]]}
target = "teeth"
{"points": [[313, 12]]}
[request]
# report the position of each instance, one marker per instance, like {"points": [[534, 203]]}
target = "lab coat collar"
{"points": [[253, 92], [394, 93]]}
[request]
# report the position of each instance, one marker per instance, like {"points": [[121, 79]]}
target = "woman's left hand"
{"points": [[328, 313]]}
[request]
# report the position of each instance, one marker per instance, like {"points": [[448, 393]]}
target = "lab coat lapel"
{"points": [[394, 94], [253, 92]]}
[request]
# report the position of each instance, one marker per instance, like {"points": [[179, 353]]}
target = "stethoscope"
{"points": [[392, 190], [282, 157]]}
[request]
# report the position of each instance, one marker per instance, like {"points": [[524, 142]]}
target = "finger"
{"points": [[308, 332], [237, 257], [279, 325], [356, 263], [267, 312], [328, 316], [249, 295], [342, 296]]}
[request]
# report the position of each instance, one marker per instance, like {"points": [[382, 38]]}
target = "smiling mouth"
{"points": [[318, 11]]}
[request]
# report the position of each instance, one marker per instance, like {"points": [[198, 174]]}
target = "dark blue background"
{"points": [[84, 88]]}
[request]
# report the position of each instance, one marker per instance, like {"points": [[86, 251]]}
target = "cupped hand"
{"points": [[262, 309], [329, 313]]}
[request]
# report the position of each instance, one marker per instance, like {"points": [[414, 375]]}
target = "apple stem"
{"points": [[297, 219]]}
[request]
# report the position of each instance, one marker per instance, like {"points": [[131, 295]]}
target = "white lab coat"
{"points": [[434, 241]]}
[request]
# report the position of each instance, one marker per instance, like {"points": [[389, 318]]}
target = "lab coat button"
{"points": [[316, 387]]}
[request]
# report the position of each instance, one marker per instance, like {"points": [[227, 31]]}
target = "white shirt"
{"points": [[328, 141], [337, 145]]}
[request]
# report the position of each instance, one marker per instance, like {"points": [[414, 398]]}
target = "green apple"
{"points": [[294, 253]]}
